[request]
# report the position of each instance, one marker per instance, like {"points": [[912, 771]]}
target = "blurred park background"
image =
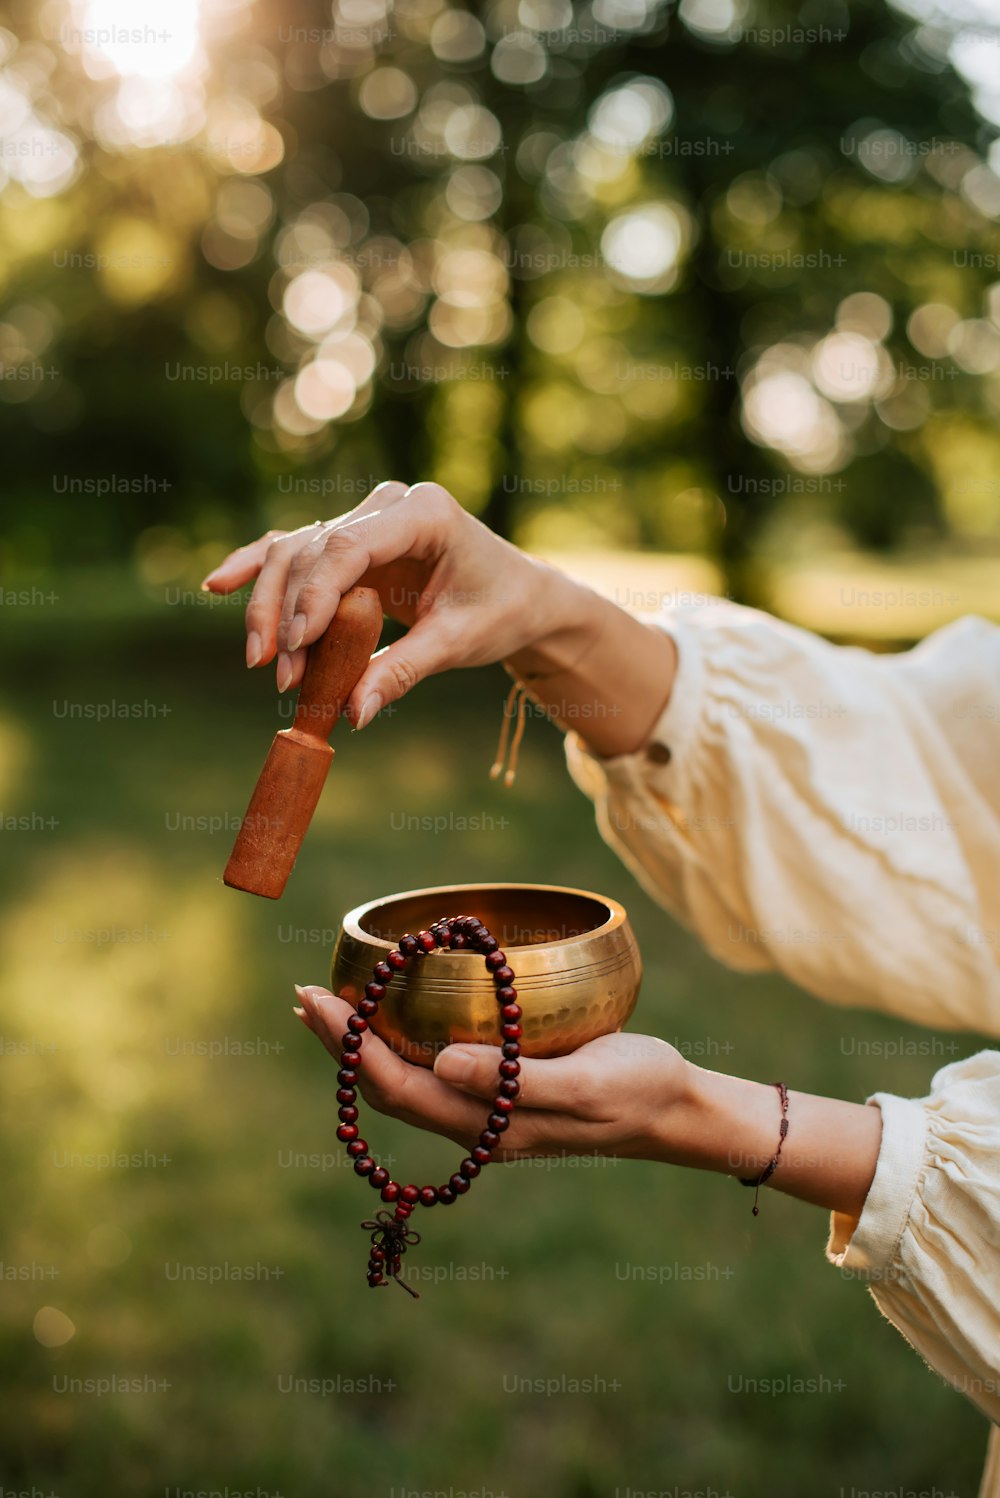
{"points": [[696, 297]]}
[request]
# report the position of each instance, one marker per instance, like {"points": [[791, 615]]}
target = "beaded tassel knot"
{"points": [[390, 1234]]}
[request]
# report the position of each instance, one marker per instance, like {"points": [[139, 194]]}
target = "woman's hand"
{"points": [[610, 1097], [627, 1095], [468, 598]]}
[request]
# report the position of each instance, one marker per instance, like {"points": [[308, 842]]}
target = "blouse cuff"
{"points": [[868, 1245]]}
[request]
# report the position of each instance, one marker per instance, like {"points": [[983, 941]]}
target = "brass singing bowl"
{"points": [[576, 964]]}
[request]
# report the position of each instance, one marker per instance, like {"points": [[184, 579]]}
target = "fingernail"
{"points": [[311, 997], [204, 587], [371, 705], [454, 1065], [284, 671], [296, 631], [254, 650]]}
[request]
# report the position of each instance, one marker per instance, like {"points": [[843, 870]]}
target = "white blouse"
{"points": [[835, 814]]}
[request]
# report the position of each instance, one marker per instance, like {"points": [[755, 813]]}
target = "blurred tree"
{"points": [[716, 278]]}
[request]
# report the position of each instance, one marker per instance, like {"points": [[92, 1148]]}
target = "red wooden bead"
{"points": [[458, 933]]}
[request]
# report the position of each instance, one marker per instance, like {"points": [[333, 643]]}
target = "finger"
{"points": [[302, 564], [433, 644], [240, 565], [291, 669], [412, 524], [294, 624], [264, 608], [327, 1025], [564, 1082], [386, 1077], [394, 1086]]}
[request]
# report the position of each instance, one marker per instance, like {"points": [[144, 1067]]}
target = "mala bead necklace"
{"points": [[390, 1232]]}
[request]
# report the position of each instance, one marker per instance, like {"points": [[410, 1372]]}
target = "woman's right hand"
{"points": [[468, 597]]}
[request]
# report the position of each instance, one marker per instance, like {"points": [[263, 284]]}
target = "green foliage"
{"points": [[714, 258]]}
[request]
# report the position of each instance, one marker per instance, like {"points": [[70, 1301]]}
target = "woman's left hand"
{"points": [[613, 1096], [627, 1095]]}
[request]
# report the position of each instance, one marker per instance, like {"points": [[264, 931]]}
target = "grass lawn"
{"points": [[125, 959]]}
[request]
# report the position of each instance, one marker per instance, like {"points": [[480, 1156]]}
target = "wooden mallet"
{"points": [[295, 770]]}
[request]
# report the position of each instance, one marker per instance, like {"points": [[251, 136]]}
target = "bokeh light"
{"points": [[783, 409], [142, 38], [644, 246]]}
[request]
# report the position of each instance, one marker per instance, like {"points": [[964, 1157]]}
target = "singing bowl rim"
{"points": [[617, 915]]}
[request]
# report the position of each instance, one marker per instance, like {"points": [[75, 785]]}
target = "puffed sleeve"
{"points": [[824, 810], [928, 1239]]}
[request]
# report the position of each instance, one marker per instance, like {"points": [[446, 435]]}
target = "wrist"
{"points": [[674, 1126], [564, 613], [729, 1125], [719, 1123]]}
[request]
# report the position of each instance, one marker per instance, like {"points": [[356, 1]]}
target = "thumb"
{"points": [[544, 1084], [394, 671]]}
